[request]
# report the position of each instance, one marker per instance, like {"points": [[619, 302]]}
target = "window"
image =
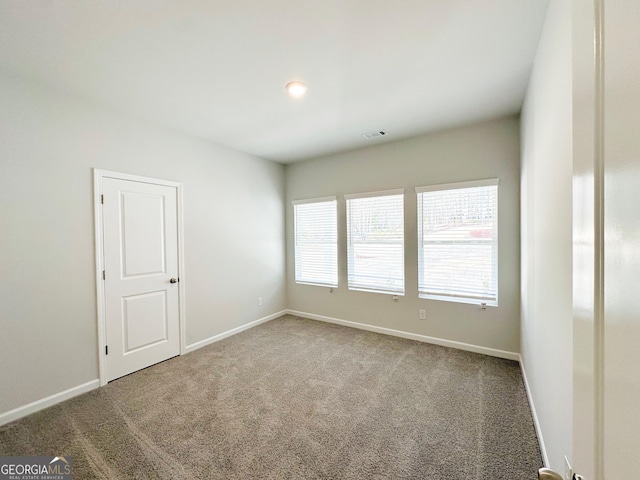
{"points": [[316, 241], [375, 242], [458, 242]]}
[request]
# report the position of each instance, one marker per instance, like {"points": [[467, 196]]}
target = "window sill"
{"points": [[395, 294], [317, 284], [469, 301]]}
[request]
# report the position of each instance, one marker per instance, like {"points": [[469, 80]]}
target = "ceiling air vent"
{"points": [[376, 134]]}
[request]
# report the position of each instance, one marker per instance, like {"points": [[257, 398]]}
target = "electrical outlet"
{"points": [[423, 314], [568, 473], [259, 301]]}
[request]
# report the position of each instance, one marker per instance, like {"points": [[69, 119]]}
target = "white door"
{"points": [[141, 294], [606, 388], [621, 306]]}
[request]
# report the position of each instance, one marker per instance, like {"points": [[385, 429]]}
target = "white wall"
{"points": [[546, 219], [50, 141], [484, 150]]}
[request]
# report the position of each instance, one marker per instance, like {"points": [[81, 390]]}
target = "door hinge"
{"points": [[104, 275], [102, 199], [106, 349]]}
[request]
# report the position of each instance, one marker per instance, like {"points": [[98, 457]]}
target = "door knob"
{"points": [[548, 474], [175, 280]]}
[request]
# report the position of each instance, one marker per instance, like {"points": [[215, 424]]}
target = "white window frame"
{"points": [[297, 274], [351, 284], [457, 296]]}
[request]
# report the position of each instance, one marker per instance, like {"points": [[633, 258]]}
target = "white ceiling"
{"points": [[217, 69]]}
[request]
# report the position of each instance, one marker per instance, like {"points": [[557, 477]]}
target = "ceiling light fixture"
{"points": [[296, 89]]}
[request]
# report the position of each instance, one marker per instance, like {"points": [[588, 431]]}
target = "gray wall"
{"points": [[50, 141], [485, 150], [547, 233]]}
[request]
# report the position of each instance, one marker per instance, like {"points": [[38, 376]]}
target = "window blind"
{"points": [[316, 241], [375, 242], [458, 242]]}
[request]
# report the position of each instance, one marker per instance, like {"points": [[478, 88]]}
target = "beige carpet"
{"points": [[296, 398]]}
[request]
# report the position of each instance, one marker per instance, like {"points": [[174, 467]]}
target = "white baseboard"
{"points": [[233, 331], [49, 401], [412, 336], [33, 407], [536, 421]]}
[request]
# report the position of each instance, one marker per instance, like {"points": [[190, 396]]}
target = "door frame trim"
{"points": [[98, 176], [599, 239]]}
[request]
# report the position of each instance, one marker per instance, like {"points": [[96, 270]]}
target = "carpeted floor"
{"points": [[296, 398]]}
